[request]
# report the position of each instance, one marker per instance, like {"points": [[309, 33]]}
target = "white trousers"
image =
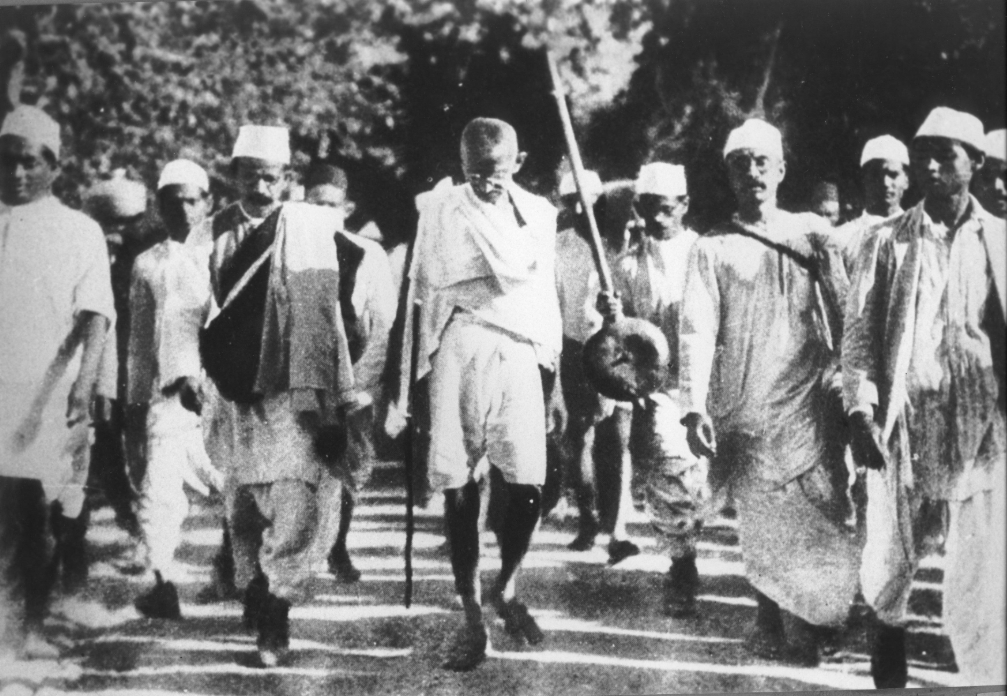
{"points": [[175, 456]]}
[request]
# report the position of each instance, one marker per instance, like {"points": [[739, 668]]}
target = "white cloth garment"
{"points": [[485, 401], [917, 348], [478, 257], [756, 355], [850, 235], [53, 267], [169, 303], [650, 276], [374, 301], [176, 456]]}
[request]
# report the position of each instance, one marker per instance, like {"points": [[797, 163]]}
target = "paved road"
{"points": [[605, 631]]}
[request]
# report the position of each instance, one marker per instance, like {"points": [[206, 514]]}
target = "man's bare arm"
{"points": [[93, 330]]}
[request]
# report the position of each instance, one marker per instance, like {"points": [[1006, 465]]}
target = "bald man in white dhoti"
{"points": [[483, 272]]}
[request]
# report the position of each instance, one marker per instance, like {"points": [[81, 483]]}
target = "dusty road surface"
{"points": [[605, 633]]}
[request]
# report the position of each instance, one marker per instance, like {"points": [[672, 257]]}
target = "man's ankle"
{"points": [[473, 611]]}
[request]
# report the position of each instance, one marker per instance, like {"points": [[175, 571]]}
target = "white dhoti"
{"points": [[975, 586], [485, 400], [57, 455], [175, 456], [797, 555]]}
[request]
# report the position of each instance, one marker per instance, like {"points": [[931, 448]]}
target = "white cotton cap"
{"points": [[756, 135], [943, 122], [34, 125], [372, 232], [995, 145], [885, 147], [183, 172], [592, 184], [662, 179], [269, 143], [119, 197]]}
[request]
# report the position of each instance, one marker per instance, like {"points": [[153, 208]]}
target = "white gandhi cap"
{"points": [[592, 184], [34, 125], [943, 122], [756, 135], [183, 172], [269, 143], [995, 145], [885, 147], [662, 179]]}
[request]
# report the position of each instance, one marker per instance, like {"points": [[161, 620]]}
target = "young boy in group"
{"points": [[169, 302]]}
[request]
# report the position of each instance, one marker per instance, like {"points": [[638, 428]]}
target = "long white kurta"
{"points": [[169, 302], [755, 351], [932, 295], [53, 266]]}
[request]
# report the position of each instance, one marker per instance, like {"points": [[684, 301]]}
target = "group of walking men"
{"points": [[243, 353]]}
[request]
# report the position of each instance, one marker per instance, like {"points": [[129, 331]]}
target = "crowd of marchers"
{"points": [[840, 388]]}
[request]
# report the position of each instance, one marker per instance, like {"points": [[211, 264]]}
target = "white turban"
{"points": [[995, 145], [118, 197], [943, 122], [885, 147], [34, 125], [183, 172], [269, 143], [592, 184], [756, 135], [662, 179]]}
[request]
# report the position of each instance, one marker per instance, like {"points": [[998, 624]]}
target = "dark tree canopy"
{"points": [[383, 89]]}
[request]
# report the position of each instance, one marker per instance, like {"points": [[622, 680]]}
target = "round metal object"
{"points": [[627, 359]]}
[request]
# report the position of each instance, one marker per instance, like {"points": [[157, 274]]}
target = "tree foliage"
{"points": [[840, 72], [384, 88]]}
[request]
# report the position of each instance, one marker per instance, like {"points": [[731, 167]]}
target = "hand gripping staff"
{"points": [[627, 359]]}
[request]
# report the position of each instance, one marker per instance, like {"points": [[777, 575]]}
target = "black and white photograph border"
{"points": [[380, 91]]}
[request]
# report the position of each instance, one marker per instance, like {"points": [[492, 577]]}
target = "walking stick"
{"points": [[409, 444]]}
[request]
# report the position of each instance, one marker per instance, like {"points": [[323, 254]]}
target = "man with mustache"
{"points": [[883, 168], [758, 345], [279, 356], [924, 376], [262, 182], [54, 318]]}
